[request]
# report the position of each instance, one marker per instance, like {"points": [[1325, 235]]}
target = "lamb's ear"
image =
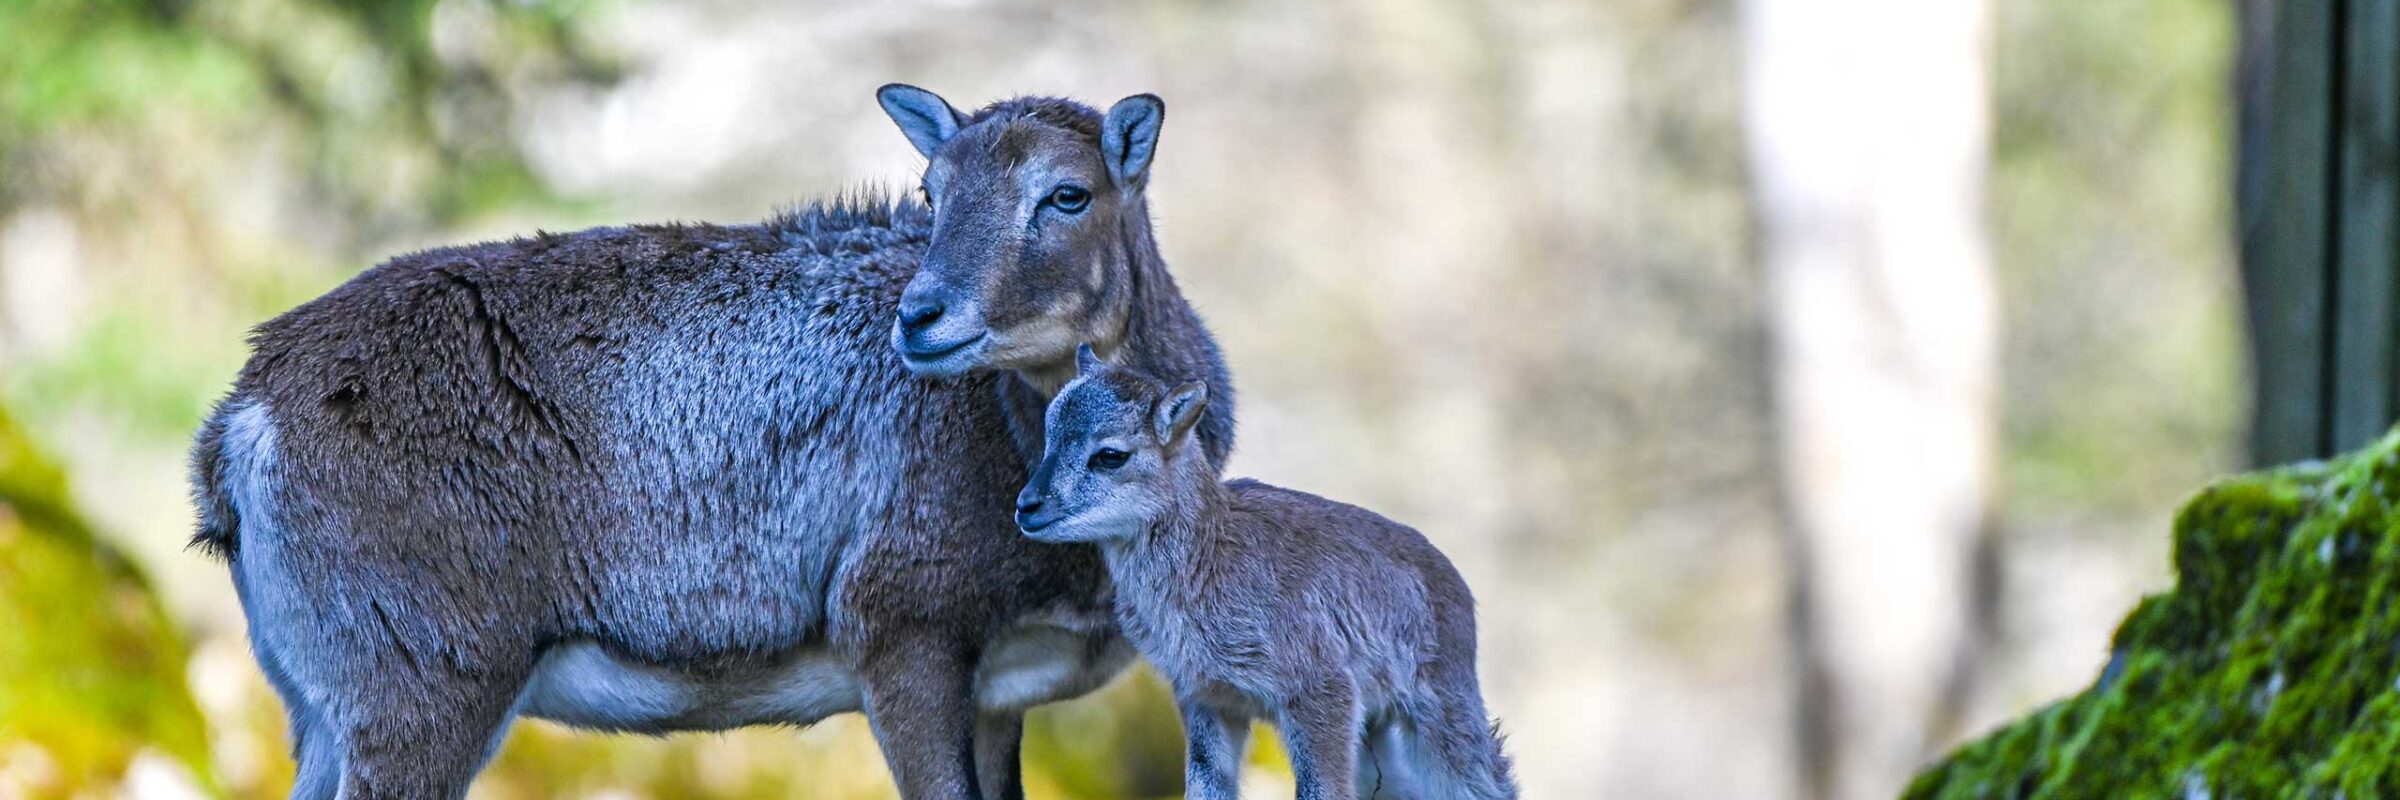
{"points": [[1177, 413], [1086, 361], [924, 117], [1130, 136]]}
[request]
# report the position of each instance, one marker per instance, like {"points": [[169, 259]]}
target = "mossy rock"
{"points": [[2272, 669], [91, 669]]}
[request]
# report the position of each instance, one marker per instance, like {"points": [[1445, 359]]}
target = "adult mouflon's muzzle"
{"points": [[936, 333]]}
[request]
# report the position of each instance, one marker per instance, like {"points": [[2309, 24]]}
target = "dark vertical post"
{"points": [[2319, 207], [2283, 181], [2366, 222]]}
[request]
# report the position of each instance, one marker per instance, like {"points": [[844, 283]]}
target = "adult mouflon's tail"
{"points": [[218, 523]]}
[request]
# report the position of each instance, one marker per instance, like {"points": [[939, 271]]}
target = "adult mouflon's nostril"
{"points": [[918, 314]]}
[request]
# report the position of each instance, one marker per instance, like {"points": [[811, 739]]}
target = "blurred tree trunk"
{"points": [[1868, 135]]}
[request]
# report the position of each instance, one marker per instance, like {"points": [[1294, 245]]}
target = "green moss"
{"points": [[2272, 669], [91, 671]]}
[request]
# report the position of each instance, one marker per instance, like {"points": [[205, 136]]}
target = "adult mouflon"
{"points": [[1348, 630], [694, 477]]}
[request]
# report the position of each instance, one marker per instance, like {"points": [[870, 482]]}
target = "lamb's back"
{"points": [[1381, 585]]}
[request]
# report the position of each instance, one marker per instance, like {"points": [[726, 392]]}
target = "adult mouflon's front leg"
{"points": [[1321, 729], [999, 756], [920, 700], [1215, 742]]}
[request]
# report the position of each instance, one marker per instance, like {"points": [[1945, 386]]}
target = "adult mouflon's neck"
{"points": [[1162, 335]]}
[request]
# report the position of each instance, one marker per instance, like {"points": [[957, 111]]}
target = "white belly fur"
{"points": [[1036, 664], [582, 684]]}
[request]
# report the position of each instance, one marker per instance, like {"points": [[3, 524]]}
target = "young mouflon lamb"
{"points": [[1348, 630]]}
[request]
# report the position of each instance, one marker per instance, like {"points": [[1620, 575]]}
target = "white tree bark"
{"points": [[1868, 125]]}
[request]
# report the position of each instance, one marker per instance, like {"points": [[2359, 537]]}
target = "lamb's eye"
{"points": [[1069, 198], [1107, 459]]}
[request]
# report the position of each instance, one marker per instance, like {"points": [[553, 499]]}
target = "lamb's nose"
{"points": [[1029, 506], [916, 314]]}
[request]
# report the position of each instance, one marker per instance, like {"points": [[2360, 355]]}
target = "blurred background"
{"points": [[1803, 387]]}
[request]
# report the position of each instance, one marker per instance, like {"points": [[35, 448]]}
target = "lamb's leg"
{"points": [[1217, 740], [999, 759], [1458, 751], [1321, 729], [1384, 771], [920, 702]]}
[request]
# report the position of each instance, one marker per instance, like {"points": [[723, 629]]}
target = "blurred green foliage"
{"points": [[2266, 672], [1126, 741], [226, 159], [91, 670], [357, 76]]}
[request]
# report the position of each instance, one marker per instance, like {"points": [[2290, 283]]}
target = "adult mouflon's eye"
{"points": [[1108, 458], [1070, 199]]}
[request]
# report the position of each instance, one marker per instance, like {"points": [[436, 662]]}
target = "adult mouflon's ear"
{"points": [[1086, 361], [1178, 411], [1130, 136], [924, 117]]}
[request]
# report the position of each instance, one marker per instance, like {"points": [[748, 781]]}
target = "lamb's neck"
{"points": [[1164, 557]]}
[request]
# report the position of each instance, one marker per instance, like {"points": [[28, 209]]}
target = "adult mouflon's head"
{"points": [[1118, 447], [1038, 214]]}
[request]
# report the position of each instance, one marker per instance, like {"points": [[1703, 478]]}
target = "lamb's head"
{"points": [[1118, 454], [1038, 213]]}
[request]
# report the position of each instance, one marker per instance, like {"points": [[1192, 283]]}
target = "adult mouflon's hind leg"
{"points": [[422, 728], [388, 699], [314, 744]]}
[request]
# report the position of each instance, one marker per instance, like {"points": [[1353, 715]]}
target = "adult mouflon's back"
{"points": [[677, 477]]}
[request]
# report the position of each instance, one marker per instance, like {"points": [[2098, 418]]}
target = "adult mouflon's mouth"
{"points": [[941, 359]]}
